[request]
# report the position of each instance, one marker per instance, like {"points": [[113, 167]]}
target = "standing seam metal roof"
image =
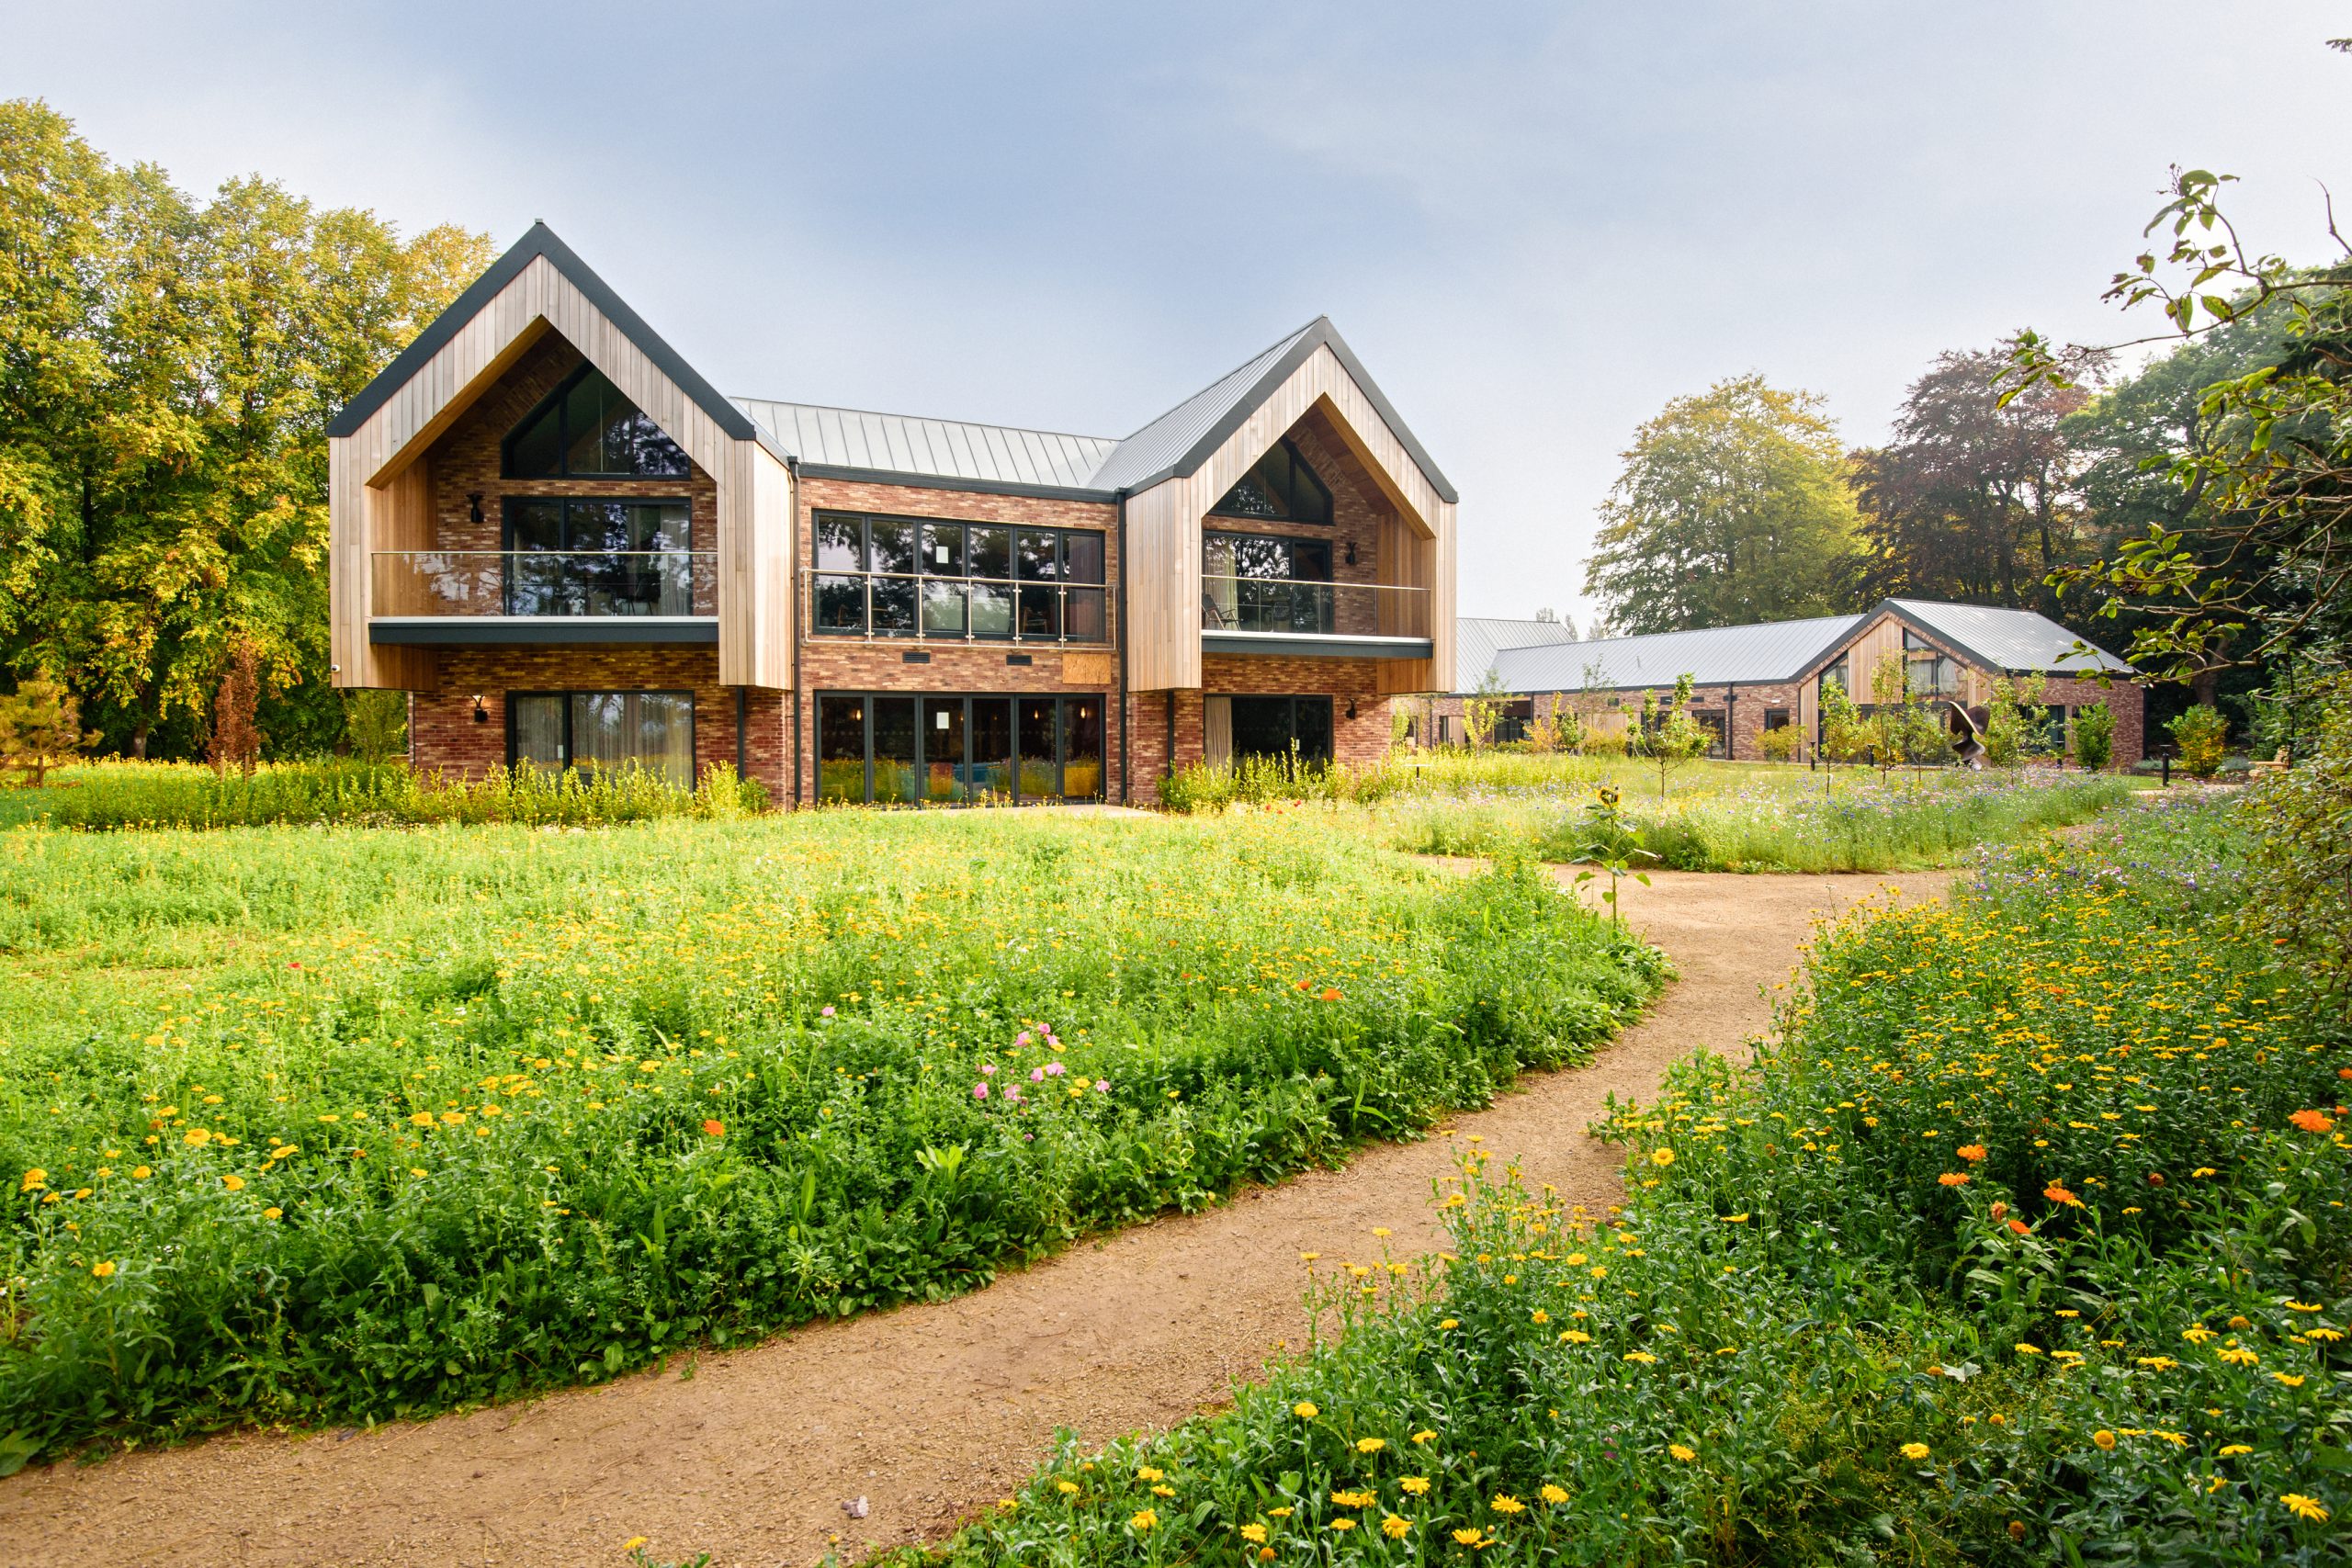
{"points": [[1777, 651], [946, 448], [1163, 443], [2010, 640], [1478, 638]]}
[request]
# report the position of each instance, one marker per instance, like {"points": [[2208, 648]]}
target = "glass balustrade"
{"points": [[545, 582]]}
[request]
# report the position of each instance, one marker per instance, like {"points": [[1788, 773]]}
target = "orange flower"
{"points": [[2310, 1120], [2020, 1227], [1330, 993], [1972, 1152], [2000, 1210], [1953, 1178], [2058, 1194], [715, 1129]]}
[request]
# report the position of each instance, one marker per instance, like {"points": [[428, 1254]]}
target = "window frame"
{"points": [[1330, 708], [921, 579], [556, 401], [570, 761], [866, 697], [1299, 465]]}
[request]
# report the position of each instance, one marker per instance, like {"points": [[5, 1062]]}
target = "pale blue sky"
{"points": [[1535, 223]]}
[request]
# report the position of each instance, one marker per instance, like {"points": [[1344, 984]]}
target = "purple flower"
{"points": [[979, 1091], [1101, 1085]]}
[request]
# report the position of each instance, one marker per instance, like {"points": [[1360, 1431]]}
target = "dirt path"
{"points": [[927, 1411]]}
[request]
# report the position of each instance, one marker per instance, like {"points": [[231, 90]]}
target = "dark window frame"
{"points": [[921, 578], [1330, 708], [510, 504], [1299, 465], [571, 752], [1062, 700], [556, 401]]}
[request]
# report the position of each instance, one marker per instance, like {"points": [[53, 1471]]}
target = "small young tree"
{"points": [[1670, 737], [2202, 736], [1543, 729], [1612, 843], [40, 728], [1482, 708], [376, 724], [1844, 734], [2016, 724], [2095, 738], [236, 741]]}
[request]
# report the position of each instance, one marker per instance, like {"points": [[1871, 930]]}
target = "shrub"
{"points": [[2017, 724], [1780, 745], [2201, 736], [376, 725], [2095, 738], [1603, 743], [2301, 890], [40, 728]]}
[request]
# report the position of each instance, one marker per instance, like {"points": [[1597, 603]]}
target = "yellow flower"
{"points": [[2237, 1355], [1416, 1484], [1473, 1537], [1343, 1524], [35, 1179], [195, 1137], [141, 1174], [233, 1182], [2103, 1439], [2231, 1451], [2290, 1381], [2197, 1334], [1449, 1323], [1370, 1445], [1556, 1496], [1142, 1521], [1424, 1437], [1150, 1472], [632, 1543], [1305, 1410], [1682, 1451], [2025, 1349], [103, 1271], [1163, 1490], [2305, 1507], [422, 1119], [1066, 1488], [1661, 1157], [1575, 1336], [1541, 1316], [1394, 1527], [1254, 1534], [1915, 1451], [273, 1213], [1505, 1503], [1644, 1357]]}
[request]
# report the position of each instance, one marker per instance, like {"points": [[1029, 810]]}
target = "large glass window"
{"points": [[598, 556], [1279, 486], [1266, 583], [897, 749], [904, 577], [1281, 727], [1933, 673], [588, 730], [586, 429]]}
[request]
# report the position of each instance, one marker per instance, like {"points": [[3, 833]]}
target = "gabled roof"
{"points": [[540, 240], [2018, 641], [1477, 638], [946, 448], [1181, 440], [1777, 650]]}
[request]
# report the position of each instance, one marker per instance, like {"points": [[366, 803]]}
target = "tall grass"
{"points": [[2029, 1243], [163, 795], [312, 1124]]}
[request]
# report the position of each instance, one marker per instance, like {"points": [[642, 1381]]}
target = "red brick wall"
{"points": [[977, 668], [444, 738], [1358, 510], [2130, 703]]}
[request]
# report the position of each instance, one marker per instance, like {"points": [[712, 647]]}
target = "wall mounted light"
{"points": [[475, 497], [1351, 707], [481, 712], [1351, 552]]}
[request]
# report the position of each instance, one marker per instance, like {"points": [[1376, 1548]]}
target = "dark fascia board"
{"points": [[1319, 334], [1277, 645], [459, 631], [950, 482], [541, 241]]}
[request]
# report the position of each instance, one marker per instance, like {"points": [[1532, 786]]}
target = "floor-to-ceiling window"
{"points": [[589, 731], [1283, 726], [896, 749], [905, 577]]}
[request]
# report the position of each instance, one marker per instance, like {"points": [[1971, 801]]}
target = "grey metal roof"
{"points": [[1160, 447], [946, 448], [2008, 640], [1777, 651], [1477, 638]]}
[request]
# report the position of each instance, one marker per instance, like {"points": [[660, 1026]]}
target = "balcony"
{"points": [[543, 596], [1332, 620], [957, 609]]}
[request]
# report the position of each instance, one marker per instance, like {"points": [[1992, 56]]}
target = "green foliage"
{"points": [[1611, 843], [40, 728], [1780, 745], [1482, 708], [2300, 891], [2027, 1244], [168, 795], [2202, 737], [2095, 737], [1199, 787], [1732, 508], [1667, 735], [376, 723], [448, 1115], [167, 370], [2017, 724], [1845, 736]]}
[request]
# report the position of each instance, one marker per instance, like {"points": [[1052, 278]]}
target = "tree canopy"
{"points": [[167, 367], [1733, 507]]}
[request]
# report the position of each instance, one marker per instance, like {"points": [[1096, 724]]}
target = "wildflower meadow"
{"points": [[2026, 1243], [320, 1124]]}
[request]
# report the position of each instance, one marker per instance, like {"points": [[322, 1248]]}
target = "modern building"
{"points": [[572, 551], [1748, 680]]}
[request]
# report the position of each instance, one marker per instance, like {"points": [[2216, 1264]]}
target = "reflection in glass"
{"points": [[992, 552], [1039, 776], [539, 731], [1082, 749], [840, 605], [944, 772], [588, 429], [1084, 615], [1082, 556], [1036, 556], [992, 609], [841, 544], [943, 549], [890, 546], [991, 768], [894, 751], [1040, 610], [840, 749], [943, 607]]}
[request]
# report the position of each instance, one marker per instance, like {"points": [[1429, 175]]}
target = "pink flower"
{"points": [[1024, 1040], [1036, 1075], [1054, 1069], [1101, 1085], [979, 1091], [1012, 1091], [827, 1011], [989, 1067]]}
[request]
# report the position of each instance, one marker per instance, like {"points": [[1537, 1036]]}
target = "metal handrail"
{"points": [[1310, 606], [920, 583], [547, 583]]}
